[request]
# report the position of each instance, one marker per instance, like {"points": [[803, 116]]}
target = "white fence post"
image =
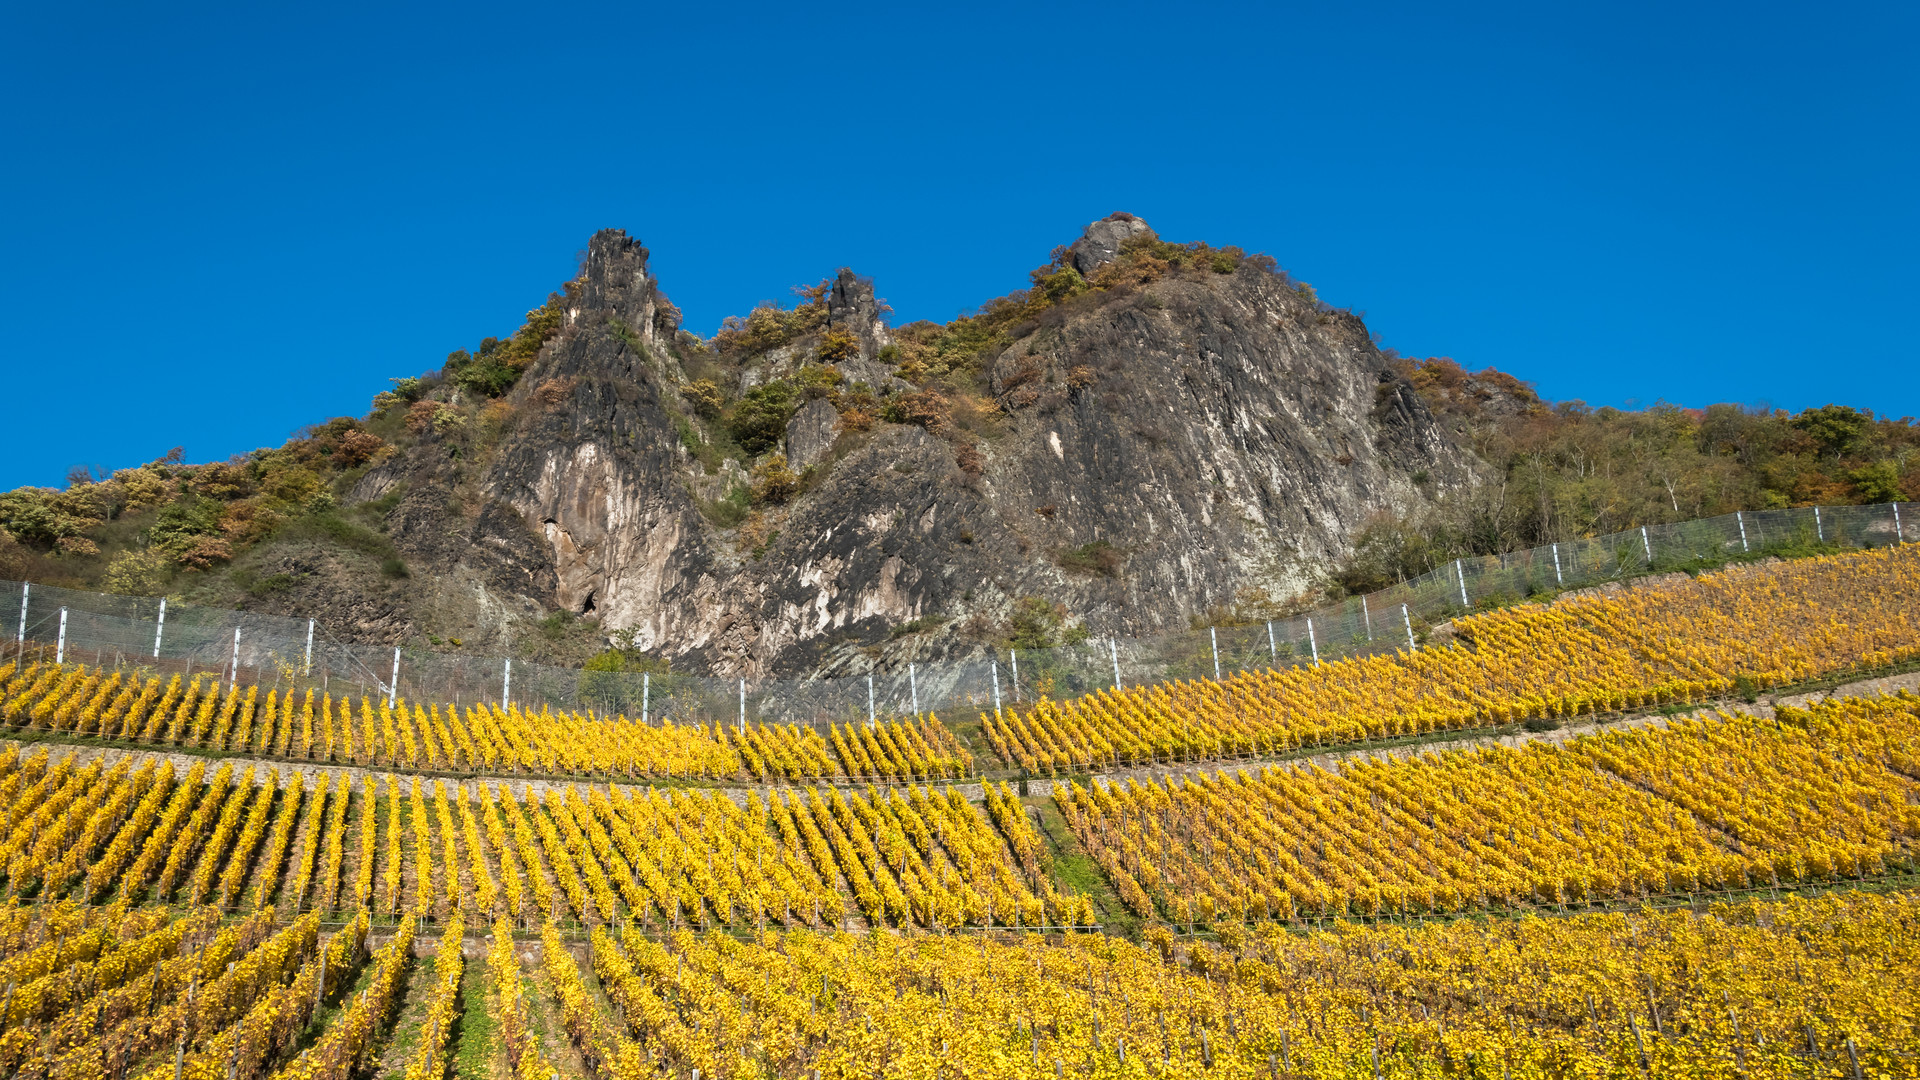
{"points": [[743, 706], [21, 640], [393, 683], [1899, 537], [1741, 519], [506, 683], [1367, 614], [913, 687], [1408, 619], [1313, 644], [871, 723], [1013, 657], [1819, 529], [159, 627], [1273, 649], [1460, 572], [646, 692], [1213, 635], [233, 673], [1113, 650], [996, 686], [1558, 581], [60, 650], [307, 669]]}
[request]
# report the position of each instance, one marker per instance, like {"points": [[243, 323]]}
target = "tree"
{"points": [[1838, 429]]}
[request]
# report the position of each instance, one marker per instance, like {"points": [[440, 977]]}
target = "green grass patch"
{"points": [[474, 1042]]}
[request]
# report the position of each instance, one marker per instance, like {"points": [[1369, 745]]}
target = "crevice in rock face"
{"points": [[587, 607]]}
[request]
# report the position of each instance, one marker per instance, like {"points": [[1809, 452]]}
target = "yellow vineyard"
{"points": [[237, 885], [198, 714], [1685, 641]]}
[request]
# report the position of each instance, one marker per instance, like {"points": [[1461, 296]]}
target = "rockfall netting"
{"points": [[162, 636]]}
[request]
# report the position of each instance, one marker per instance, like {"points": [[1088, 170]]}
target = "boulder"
{"points": [[1100, 244]]}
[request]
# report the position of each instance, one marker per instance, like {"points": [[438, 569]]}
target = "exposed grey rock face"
{"points": [[1217, 435], [1101, 242], [615, 282], [851, 305], [811, 432]]}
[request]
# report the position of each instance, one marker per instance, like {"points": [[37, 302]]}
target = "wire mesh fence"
{"points": [[164, 637]]}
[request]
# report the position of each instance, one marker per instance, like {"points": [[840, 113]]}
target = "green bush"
{"points": [[180, 523], [760, 418]]}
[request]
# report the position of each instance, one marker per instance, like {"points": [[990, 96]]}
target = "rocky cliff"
{"points": [[1163, 441]]}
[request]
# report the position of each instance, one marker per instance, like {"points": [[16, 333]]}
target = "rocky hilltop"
{"points": [[1150, 434], [1159, 443]]}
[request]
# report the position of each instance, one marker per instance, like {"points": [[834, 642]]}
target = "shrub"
{"points": [[819, 380], [705, 397], [488, 378], [769, 326], [138, 573], [422, 414], [773, 481], [929, 409], [394, 567], [493, 368], [760, 418], [181, 523], [204, 551], [1039, 624], [1098, 558], [837, 345], [628, 660], [357, 448], [261, 587], [556, 626], [231, 480]]}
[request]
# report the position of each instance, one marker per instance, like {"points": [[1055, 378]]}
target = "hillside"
{"points": [[1151, 434], [1151, 430]]}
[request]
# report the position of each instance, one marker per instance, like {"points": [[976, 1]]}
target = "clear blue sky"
{"points": [[224, 222]]}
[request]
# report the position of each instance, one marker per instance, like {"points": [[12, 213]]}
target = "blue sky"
{"points": [[223, 223]]}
